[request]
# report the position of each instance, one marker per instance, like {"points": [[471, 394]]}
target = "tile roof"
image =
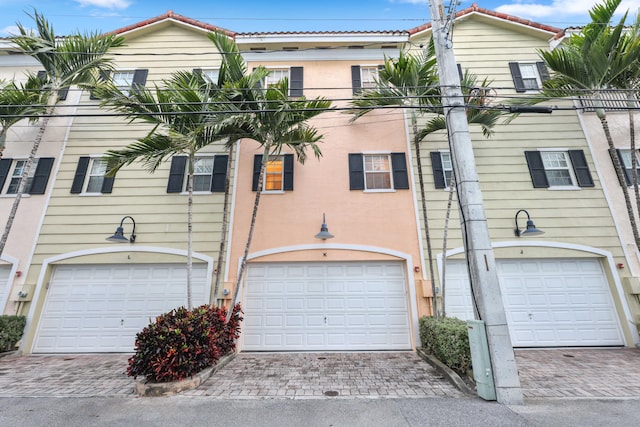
{"points": [[176, 17], [474, 8]]}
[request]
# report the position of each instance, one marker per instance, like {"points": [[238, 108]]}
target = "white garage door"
{"points": [[101, 308], [5, 286], [326, 306], [548, 302]]}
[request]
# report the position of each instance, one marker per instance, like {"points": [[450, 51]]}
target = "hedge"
{"points": [[11, 329], [448, 340]]}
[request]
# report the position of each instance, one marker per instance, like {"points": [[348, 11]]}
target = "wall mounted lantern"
{"points": [[119, 236], [324, 230], [531, 229]]}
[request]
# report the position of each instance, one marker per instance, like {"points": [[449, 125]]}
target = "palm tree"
{"points": [[589, 64], [17, 102], [275, 121], [181, 112], [411, 81], [72, 60]]}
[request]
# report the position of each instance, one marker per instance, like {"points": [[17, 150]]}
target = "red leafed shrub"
{"points": [[183, 342]]}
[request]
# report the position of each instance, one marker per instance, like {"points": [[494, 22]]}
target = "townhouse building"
{"points": [[363, 283]]}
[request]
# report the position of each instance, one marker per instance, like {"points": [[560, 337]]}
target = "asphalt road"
{"points": [[202, 411]]}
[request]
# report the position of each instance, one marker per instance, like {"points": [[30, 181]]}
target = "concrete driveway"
{"points": [[558, 374]]}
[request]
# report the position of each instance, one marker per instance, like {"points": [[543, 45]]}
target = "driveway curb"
{"points": [[451, 375]]}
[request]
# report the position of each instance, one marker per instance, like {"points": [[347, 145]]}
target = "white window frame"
{"points": [[274, 157], [529, 72], [569, 168], [12, 176], [93, 161], [368, 75], [211, 74], [275, 75], [123, 80], [447, 169], [186, 174], [389, 172]]}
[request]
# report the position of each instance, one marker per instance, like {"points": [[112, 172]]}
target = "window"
{"points": [[368, 77], [625, 162], [442, 168], [363, 77], [528, 75], [378, 172], [129, 80], [558, 169], [295, 76], [89, 177], [278, 173], [11, 171], [209, 174], [211, 75]]}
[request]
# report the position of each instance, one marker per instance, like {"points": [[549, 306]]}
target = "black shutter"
{"points": [[356, 172], [460, 73], [176, 174], [580, 168], [288, 172], [356, 79], [107, 184], [139, 80], [62, 93], [42, 75], [399, 167], [41, 176], [219, 175], [536, 169], [543, 71], [296, 81], [197, 71], [517, 77], [626, 172], [438, 171], [5, 165], [257, 162], [81, 172]]}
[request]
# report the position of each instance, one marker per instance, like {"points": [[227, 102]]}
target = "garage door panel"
{"points": [[556, 302], [100, 308], [342, 306]]}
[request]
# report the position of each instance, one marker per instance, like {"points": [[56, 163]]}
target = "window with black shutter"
{"points": [[209, 174], [378, 172], [90, 177]]}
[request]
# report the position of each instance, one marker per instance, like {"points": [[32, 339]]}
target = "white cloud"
{"points": [[11, 30], [564, 8], [107, 4]]}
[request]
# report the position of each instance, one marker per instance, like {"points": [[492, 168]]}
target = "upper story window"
{"points": [[209, 174], [128, 80], [90, 176], [11, 175], [363, 77], [295, 76], [211, 74], [278, 173], [627, 165], [378, 172], [558, 169], [528, 75], [442, 167]]}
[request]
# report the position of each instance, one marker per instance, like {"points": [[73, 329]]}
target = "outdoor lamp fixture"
{"points": [[118, 236], [324, 230], [531, 229]]}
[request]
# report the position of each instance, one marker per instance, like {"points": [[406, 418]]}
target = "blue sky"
{"points": [[68, 16]]}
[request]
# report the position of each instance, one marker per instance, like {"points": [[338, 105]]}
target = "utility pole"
{"points": [[480, 259]]}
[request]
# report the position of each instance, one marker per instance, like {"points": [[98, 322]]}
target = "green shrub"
{"points": [[448, 340], [183, 342], [11, 329]]}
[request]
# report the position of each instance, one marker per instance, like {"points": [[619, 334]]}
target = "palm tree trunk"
{"points": [[190, 232], [51, 103], [434, 302], [620, 174], [223, 232], [444, 244], [254, 215], [3, 140], [634, 159]]}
